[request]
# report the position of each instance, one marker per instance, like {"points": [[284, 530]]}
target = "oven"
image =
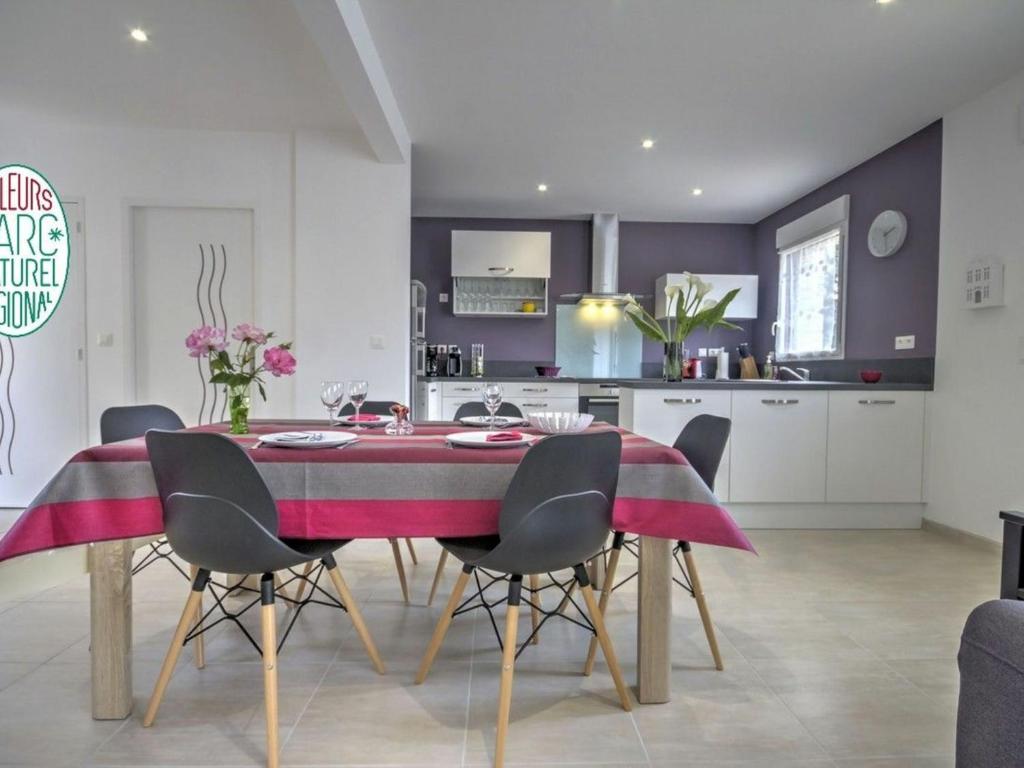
{"points": [[602, 400]]}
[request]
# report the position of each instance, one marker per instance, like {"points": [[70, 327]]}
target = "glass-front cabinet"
{"points": [[500, 274]]}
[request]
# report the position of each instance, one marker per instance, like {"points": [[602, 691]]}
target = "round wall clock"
{"points": [[887, 233]]}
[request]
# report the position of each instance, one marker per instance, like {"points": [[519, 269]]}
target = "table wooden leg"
{"points": [[110, 596], [654, 622]]}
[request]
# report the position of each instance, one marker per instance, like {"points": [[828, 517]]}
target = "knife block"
{"points": [[748, 368]]}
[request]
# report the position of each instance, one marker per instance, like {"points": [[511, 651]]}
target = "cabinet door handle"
{"points": [[466, 389], [535, 389], [683, 400], [780, 402], [535, 405], [500, 270], [877, 402]]}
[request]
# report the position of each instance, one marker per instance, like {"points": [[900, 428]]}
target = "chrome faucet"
{"points": [[788, 374]]}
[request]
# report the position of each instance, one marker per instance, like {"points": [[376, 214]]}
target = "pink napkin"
{"points": [[364, 417], [504, 437]]}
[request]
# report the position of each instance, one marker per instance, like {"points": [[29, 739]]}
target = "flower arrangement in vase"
{"points": [[239, 372], [692, 310]]}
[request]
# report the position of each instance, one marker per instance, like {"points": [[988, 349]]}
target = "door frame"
{"points": [[85, 430], [128, 268]]}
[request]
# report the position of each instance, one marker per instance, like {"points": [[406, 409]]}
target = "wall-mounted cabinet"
{"points": [[500, 274], [743, 307]]}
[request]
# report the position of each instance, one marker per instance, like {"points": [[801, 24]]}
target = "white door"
{"points": [[192, 267], [43, 389]]}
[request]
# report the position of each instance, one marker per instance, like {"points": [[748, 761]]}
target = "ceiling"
{"points": [[755, 102], [214, 64]]}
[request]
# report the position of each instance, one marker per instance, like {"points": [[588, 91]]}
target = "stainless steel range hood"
{"points": [[604, 278]]}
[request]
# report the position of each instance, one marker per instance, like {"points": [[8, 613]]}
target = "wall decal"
{"points": [[8, 422], [211, 278]]}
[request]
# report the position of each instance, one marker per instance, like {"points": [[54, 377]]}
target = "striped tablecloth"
{"points": [[380, 487]]}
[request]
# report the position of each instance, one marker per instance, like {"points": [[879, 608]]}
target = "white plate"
{"points": [[346, 421], [294, 439], [479, 440], [501, 422]]}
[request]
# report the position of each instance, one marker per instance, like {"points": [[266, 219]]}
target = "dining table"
{"points": [[380, 486]]}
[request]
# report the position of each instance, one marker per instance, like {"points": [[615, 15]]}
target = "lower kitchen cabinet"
{"points": [[661, 414], [779, 443], [875, 446]]}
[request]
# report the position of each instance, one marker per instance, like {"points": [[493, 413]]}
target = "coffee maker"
{"points": [[454, 360]]}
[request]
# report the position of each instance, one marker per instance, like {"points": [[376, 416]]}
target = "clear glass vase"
{"points": [[675, 356], [239, 401]]}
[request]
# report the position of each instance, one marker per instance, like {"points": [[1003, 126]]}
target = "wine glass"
{"points": [[331, 395], [357, 395], [492, 400]]}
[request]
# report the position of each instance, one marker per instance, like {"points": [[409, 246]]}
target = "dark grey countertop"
{"points": [[706, 383]]}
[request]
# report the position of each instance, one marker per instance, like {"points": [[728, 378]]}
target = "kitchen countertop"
{"points": [[706, 383]]}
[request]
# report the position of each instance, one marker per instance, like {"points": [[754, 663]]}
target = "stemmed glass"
{"points": [[492, 400], [331, 395], [357, 395]]}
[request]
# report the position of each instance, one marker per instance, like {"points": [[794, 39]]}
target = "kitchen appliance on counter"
{"points": [[431, 364], [454, 360], [601, 400]]}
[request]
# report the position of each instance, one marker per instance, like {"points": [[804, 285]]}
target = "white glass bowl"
{"points": [[560, 423]]}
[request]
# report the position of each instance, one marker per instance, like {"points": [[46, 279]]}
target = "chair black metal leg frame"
{"points": [[159, 550]]}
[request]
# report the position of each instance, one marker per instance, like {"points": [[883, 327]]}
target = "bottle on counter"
{"points": [[768, 372], [476, 360]]}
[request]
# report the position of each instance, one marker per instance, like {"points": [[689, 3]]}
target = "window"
{"points": [[811, 276]]}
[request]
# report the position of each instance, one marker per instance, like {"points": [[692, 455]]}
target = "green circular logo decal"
{"points": [[34, 250]]}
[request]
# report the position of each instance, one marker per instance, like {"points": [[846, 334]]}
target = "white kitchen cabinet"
{"points": [[428, 401], [528, 396], [464, 388], [779, 442], [479, 253], [661, 414], [530, 405], [875, 446], [541, 389]]}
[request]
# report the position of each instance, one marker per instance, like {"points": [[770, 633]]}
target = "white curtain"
{"points": [[810, 298]]}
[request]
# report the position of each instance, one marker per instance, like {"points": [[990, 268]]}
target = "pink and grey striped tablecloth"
{"points": [[380, 487]]}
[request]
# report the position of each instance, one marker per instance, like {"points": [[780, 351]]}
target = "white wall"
{"points": [[352, 222], [354, 200], [976, 414]]}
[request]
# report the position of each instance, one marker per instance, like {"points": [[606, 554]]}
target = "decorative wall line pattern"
{"points": [[8, 422], [205, 283]]}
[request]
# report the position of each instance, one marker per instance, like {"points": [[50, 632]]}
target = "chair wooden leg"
{"points": [[412, 552], [187, 618], [606, 592], [400, 567], [534, 609], [508, 660], [602, 636], [442, 625], [268, 621], [198, 648], [702, 604], [301, 589], [437, 575], [354, 613]]}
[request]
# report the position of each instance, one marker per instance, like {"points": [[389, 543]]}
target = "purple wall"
{"points": [[885, 297], [646, 251]]}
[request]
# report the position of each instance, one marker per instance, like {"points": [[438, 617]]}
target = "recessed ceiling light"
{"points": [[647, 143], [139, 35], [542, 187], [697, 191], [883, 2]]}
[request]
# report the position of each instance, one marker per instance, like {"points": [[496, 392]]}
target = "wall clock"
{"points": [[887, 233]]}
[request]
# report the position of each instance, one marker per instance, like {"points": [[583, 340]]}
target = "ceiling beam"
{"points": [[339, 30]]}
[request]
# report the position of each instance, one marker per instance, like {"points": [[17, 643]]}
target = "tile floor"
{"points": [[839, 649]]}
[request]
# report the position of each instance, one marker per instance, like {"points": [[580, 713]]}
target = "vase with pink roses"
{"points": [[238, 372]]}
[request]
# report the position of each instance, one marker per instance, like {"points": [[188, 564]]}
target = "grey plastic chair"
{"points": [[477, 408], [131, 421], [556, 514], [220, 516], [702, 441]]}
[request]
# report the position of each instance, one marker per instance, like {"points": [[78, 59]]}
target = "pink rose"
{"points": [[279, 361], [249, 332], [204, 340]]}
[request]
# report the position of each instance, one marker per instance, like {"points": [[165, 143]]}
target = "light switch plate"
{"points": [[906, 342], [104, 340], [442, 298], [376, 342]]}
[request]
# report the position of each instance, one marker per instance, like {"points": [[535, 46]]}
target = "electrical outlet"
{"points": [[376, 342], [442, 298], [905, 342], [702, 352]]}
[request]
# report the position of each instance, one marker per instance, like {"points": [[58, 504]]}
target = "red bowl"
{"points": [[871, 377]]}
